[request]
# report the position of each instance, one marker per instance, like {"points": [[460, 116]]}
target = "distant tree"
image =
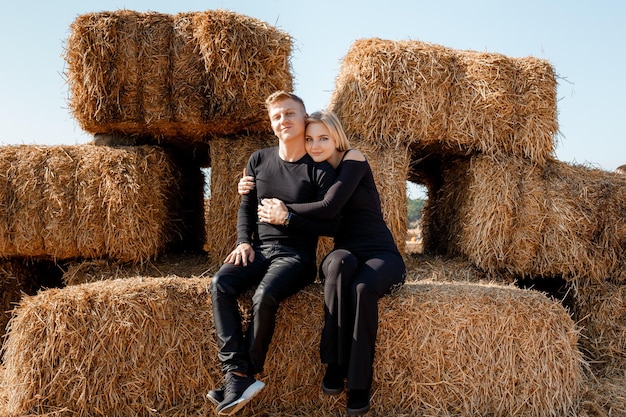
{"points": [[414, 206]]}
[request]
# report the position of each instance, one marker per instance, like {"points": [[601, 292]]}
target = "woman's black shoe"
{"points": [[358, 402], [332, 383]]}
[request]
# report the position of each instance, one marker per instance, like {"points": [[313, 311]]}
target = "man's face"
{"points": [[288, 119]]}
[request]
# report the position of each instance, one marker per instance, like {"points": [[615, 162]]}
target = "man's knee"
{"points": [[264, 298], [224, 282], [214, 284]]}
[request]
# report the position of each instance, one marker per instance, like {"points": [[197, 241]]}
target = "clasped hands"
{"points": [[271, 210]]}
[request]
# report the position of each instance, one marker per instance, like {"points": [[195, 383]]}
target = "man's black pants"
{"points": [[277, 272]]}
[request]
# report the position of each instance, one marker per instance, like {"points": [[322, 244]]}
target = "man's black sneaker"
{"points": [[332, 383], [238, 390], [358, 402], [216, 395]]}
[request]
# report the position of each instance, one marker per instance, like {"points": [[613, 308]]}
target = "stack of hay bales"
{"points": [[156, 88], [423, 103], [193, 80], [450, 348], [161, 79], [554, 220], [478, 129], [458, 349]]}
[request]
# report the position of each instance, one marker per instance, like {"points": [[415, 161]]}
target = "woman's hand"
{"points": [[246, 184], [272, 211]]}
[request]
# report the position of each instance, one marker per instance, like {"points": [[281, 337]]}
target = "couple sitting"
{"points": [[311, 184]]}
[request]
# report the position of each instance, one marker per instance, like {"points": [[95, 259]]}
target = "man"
{"points": [[278, 260]]}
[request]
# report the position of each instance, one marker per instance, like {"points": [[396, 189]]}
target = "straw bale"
{"points": [[600, 309], [15, 279], [468, 349], [438, 268], [509, 214], [410, 80], [503, 105], [229, 157], [604, 397], [112, 348], [87, 201], [443, 349], [184, 75], [446, 100], [171, 263]]}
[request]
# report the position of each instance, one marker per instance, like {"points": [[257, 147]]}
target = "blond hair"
{"points": [[280, 95], [331, 121]]}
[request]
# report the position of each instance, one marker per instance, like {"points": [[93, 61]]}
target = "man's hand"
{"points": [[272, 211], [241, 255]]}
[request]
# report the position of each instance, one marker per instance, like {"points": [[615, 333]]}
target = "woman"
{"points": [[364, 265]]}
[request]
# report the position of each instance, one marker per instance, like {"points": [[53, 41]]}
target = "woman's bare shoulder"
{"points": [[354, 155]]}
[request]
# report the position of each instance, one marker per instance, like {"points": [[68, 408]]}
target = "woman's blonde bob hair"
{"points": [[334, 126]]}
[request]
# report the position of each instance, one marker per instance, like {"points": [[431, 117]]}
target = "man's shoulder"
{"points": [[263, 154], [273, 150]]}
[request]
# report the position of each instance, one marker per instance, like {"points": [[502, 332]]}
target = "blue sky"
{"points": [[583, 40]]}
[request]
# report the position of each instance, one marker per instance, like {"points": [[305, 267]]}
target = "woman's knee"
{"points": [[339, 262]]}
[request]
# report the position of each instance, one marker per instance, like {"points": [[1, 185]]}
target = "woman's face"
{"points": [[318, 142]]}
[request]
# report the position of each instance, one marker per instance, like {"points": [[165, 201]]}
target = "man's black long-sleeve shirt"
{"points": [[300, 181]]}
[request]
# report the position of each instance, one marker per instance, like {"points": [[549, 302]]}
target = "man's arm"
{"points": [[246, 221]]}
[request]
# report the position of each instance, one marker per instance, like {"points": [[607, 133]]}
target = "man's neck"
{"points": [[291, 152]]}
